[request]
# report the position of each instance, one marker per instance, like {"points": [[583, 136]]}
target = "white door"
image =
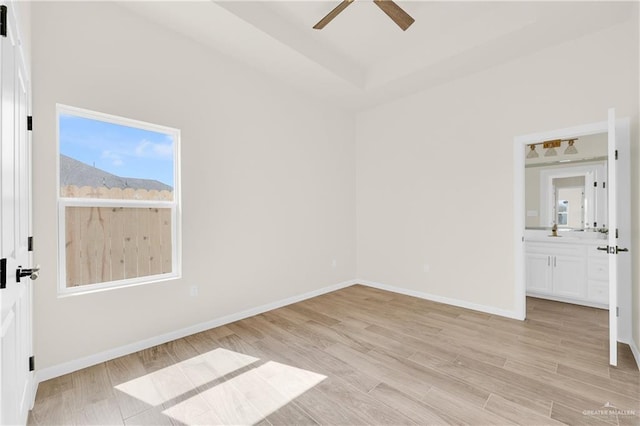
{"points": [[612, 242], [15, 227], [619, 228]]}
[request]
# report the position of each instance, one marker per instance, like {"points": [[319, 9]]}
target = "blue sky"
{"points": [[120, 150]]}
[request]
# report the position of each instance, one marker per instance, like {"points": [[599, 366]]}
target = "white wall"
{"points": [[268, 178], [435, 170]]}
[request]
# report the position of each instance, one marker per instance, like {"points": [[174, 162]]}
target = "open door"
{"points": [[618, 221], [619, 228], [612, 244], [16, 362]]}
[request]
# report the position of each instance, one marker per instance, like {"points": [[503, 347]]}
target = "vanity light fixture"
{"points": [[550, 148], [571, 149]]}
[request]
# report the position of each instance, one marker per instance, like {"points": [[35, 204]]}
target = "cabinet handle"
{"points": [[554, 261], [548, 260]]}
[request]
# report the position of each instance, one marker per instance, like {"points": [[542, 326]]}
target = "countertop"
{"points": [[566, 237]]}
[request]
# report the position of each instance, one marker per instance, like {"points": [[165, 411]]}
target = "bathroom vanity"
{"points": [[568, 268]]}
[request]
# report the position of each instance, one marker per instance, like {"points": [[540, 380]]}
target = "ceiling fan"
{"points": [[399, 16]]}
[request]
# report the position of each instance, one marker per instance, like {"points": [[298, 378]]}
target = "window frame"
{"points": [[64, 202]]}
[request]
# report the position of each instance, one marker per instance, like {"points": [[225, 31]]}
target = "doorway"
{"points": [[571, 272]]}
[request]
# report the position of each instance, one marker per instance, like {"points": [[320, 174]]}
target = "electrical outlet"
{"points": [[193, 291]]}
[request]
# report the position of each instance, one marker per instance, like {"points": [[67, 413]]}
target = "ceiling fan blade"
{"points": [[335, 12], [396, 13]]}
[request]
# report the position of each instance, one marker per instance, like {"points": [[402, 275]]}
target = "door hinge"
{"points": [[616, 232], [29, 122], [595, 184], [595, 224], [30, 244], [617, 311], [32, 363], [616, 154], [3, 21], [3, 273], [604, 185]]}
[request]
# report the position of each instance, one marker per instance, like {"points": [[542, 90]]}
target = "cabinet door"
{"points": [[538, 267], [569, 276], [598, 291]]}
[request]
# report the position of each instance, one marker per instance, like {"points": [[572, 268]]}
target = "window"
{"points": [[563, 207], [570, 206], [118, 201]]}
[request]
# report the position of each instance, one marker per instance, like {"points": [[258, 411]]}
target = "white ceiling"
{"points": [[362, 58]]}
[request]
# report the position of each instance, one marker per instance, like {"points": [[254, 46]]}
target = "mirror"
{"points": [[568, 189]]}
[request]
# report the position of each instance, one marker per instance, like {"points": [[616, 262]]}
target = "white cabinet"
{"points": [[575, 273], [539, 271], [569, 275]]}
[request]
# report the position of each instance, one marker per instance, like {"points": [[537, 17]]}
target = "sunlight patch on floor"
{"points": [[178, 379], [197, 391], [249, 397]]}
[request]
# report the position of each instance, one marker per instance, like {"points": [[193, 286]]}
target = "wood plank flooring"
{"points": [[364, 356]]}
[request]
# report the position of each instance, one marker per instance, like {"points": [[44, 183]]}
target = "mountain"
{"points": [[74, 172]]}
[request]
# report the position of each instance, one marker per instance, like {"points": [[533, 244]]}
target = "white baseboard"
{"points": [[442, 299], [88, 361], [570, 300], [635, 351]]}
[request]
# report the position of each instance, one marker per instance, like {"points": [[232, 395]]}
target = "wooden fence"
{"points": [[115, 243]]}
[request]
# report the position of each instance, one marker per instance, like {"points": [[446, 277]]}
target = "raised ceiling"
{"points": [[362, 58]]}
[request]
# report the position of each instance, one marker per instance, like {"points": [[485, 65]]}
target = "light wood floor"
{"points": [[364, 356]]}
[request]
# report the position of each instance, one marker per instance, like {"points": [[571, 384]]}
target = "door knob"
{"points": [[31, 273], [613, 250]]}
